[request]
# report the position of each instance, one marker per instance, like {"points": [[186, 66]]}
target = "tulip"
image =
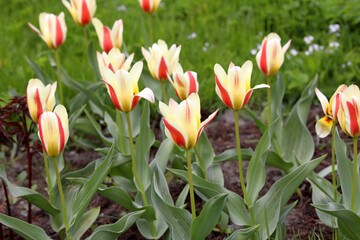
{"points": [[114, 60], [149, 6], [234, 88], [123, 87], [81, 10], [184, 83], [109, 38], [52, 29], [271, 55], [54, 130], [40, 98], [330, 109]]}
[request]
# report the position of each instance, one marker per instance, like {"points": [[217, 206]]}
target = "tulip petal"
{"points": [[286, 46], [165, 111], [335, 106], [148, 94], [224, 94], [323, 100], [84, 13], [135, 72], [204, 123], [193, 84], [263, 57], [162, 69], [128, 61], [221, 74], [352, 118], [323, 126], [176, 133], [247, 70], [113, 95]]}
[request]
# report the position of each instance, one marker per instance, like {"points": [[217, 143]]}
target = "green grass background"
{"points": [[228, 29]]}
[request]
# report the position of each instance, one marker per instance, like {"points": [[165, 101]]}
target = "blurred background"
{"points": [[325, 40]]}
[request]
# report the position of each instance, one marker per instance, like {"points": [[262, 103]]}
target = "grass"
{"points": [[225, 31]]}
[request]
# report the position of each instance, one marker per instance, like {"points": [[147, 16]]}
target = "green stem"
{"points": [[243, 187], [151, 29], [333, 160], [135, 172], [86, 37], [201, 161], [192, 196], [59, 76], [118, 119], [62, 198], [354, 176], [269, 101], [48, 179], [164, 92]]}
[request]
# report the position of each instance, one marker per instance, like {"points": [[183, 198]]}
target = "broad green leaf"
{"points": [[348, 221], [231, 155], [89, 188], [215, 174], [278, 195], [114, 131], [205, 150], [112, 231], [257, 121], [93, 61], [180, 201], [74, 117], [153, 84], [162, 155], [108, 141], [209, 216], [277, 94], [84, 223], [38, 72], [24, 229], [243, 234]]}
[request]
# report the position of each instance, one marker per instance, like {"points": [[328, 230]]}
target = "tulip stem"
{"points": [[59, 75], [243, 187], [62, 198], [354, 176], [333, 160], [151, 29], [135, 172], [118, 119], [201, 161], [86, 37], [192, 196], [164, 92], [48, 179], [269, 101]]}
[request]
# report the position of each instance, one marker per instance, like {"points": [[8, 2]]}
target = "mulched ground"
{"points": [[302, 221]]}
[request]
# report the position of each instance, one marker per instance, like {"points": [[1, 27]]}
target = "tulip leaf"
{"points": [[243, 234], [277, 95], [209, 216], [153, 84], [74, 117], [93, 61], [108, 141], [89, 188], [40, 74], [278, 195], [162, 155], [24, 229], [205, 150], [112, 231], [257, 121], [84, 223], [215, 174], [348, 221], [232, 155], [180, 201], [114, 131]]}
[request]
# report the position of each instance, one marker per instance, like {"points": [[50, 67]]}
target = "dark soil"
{"points": [[302, 221]]}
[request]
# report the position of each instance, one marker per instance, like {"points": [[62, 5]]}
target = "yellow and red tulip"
{"points": [[114, 60], [271, 55], [40, 98], [184, 83], [109, 39], [349, 112], [234, 88], [161, 60], [123, 87], [52, 29], [330, 109], [82, 11], [54, 130], [182, 121], [149, 6]]}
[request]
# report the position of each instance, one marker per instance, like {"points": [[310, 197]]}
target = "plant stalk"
{"points": [[269, 101], [8, 207], [333, 160], [164, 92], [29, 158], [243, 187], [86, 37], [354, 175], [58, 66], [62, 198], [201, 161], [48, 179], [118, 119], [151, 29], [135, 172], [192, 196]]}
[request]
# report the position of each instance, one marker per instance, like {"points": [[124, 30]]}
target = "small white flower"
{"points": [[322, 47], [330, 51], [253, 52], [314, 47], [205, 49], [258, 46], [334, 44], [334, 28], [162, 4], [206, 44], [343, 65], [293, 52], [307, 53], [308, 39], [288, 56], [349, 63], [121, 8], [260, 33], [192, 36]]}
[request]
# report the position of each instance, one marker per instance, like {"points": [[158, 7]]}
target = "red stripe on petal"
{"points": [[85, 13], [224, 94], [59, 33], [337, 106], [188, 113], [354, 126], [192, 83], [113, 96], [263, 61], [42, 135], [134, 102], [177, 137], [110, 66], [146, 5], [163, 69], [39, 107], [107, 44], [247, 97], [61, 133]]}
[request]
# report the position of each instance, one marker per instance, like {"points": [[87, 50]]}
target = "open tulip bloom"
{"points": [[109, 38], [149, 6], [52, 29], [82, 11], [114, 60], [40, 98], [184, 83]]}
